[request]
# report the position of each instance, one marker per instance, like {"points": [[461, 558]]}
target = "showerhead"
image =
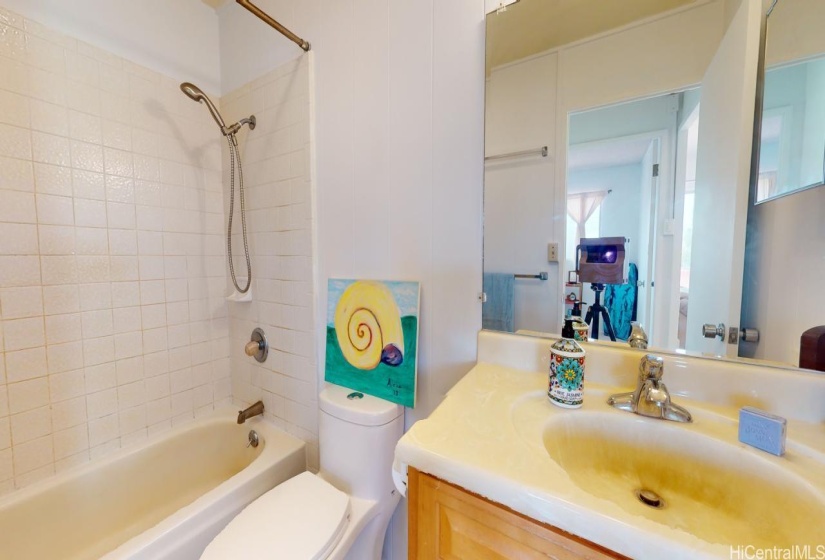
{"points": [[195, 93]]}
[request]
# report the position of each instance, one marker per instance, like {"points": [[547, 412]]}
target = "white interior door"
{"points": [[722, 182], [647, 235]]}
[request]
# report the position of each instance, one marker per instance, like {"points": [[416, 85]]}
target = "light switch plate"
{"points": [[552, 252]]}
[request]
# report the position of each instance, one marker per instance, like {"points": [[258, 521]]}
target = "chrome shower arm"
{"points": [[232, 129]]}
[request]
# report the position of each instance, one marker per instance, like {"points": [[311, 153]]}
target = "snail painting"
{"points": [[372, 337]]}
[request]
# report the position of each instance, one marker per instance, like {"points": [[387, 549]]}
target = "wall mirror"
{"points": [[785, 253], [792, 145], [632, 120]]}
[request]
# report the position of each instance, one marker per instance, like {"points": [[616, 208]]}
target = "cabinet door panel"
{"points": [[449, 523]]}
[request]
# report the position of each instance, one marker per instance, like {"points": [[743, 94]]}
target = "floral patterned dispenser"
{"points": [[566, 387]]}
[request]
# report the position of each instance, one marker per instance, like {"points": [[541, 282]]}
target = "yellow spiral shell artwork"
{"points": [[368, 326]]}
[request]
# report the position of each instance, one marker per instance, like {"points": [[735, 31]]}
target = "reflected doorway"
{"points": [[626, 177]]}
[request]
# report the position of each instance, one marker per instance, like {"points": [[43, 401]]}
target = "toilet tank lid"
{"points": [[356, 407]]}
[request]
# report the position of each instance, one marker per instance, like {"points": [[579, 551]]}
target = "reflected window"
{"points": [[590, 228]]}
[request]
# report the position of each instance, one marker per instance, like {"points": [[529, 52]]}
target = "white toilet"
{"points": [[340, 513]]}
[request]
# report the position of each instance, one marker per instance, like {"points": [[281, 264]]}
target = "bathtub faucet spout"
{"points": [[247, 413]]}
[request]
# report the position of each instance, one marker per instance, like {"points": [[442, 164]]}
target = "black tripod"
{"points": [[594, 311]]}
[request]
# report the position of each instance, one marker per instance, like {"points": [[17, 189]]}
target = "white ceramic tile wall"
{"points": [[279, 201], [111, 254]]}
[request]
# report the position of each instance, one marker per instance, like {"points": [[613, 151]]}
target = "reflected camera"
{"points": [[600, 260]]}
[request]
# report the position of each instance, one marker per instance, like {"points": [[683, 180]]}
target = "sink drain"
{"points": [[650, 498]]}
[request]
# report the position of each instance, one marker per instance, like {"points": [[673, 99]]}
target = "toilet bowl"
{"points": [[340, 513]]}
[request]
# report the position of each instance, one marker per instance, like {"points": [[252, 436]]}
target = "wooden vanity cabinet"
{"points": [[447, 522]]}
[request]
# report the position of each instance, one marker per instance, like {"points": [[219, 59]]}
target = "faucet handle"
{"points": [[651, 367], [252, 347]]}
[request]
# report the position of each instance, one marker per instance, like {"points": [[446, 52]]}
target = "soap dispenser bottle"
{"points": [[567, 357], [580, 328]]}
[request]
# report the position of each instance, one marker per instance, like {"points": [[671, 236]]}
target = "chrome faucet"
{"points": [[638, 336], [247, 413], [651, 397]]}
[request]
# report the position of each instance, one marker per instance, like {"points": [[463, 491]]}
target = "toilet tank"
{"points": [[357, 438]]}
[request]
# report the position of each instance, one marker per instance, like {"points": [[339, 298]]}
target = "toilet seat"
{"points": [[300, 519]]}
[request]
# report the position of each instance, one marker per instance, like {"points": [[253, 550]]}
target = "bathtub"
{"points": [[165, 498]]}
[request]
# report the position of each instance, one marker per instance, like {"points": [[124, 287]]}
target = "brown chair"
{"points": [[812, 349]]}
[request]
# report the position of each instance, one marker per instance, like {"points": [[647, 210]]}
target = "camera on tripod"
{"points": [[600, 261]]}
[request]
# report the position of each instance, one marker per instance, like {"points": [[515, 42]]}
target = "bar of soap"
{"points": [[762, 430]]}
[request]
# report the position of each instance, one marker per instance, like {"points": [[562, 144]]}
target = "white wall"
{"points": [[620, 211], [665, 55], [177, 38], [112, 320], [690, 100]]}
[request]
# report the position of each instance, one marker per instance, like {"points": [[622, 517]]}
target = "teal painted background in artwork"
{"points": [[395, 384]]}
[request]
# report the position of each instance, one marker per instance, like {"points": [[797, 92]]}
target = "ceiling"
{"points": [[607, 153], [532, 26]]}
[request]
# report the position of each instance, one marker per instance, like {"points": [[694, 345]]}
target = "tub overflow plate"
{"points": [[254, 439]]}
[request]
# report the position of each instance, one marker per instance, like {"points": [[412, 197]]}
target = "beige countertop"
{"points": [[488, 437]]}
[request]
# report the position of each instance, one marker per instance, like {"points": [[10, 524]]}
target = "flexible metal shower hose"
{"points": [[233, 155]]}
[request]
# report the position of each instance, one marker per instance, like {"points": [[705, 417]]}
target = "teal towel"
{"points": [[620, 302], [497, 311]]}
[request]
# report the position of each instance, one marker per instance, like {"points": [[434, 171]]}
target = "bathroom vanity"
{"points": [[498, 469]]}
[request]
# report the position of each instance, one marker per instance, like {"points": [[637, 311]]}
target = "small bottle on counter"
{"points": [[580, 328], [566, 387]]}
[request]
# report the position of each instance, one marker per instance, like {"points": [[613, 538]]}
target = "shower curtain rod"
{"points": [[272, 23]]}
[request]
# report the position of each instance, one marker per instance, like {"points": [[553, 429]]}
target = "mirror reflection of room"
{"points": [[627, 166], [539, 66], [793, 129], [786, 240], [550, 69]]}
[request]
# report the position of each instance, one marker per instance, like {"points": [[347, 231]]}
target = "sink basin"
{"points": [[719, 492]]}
